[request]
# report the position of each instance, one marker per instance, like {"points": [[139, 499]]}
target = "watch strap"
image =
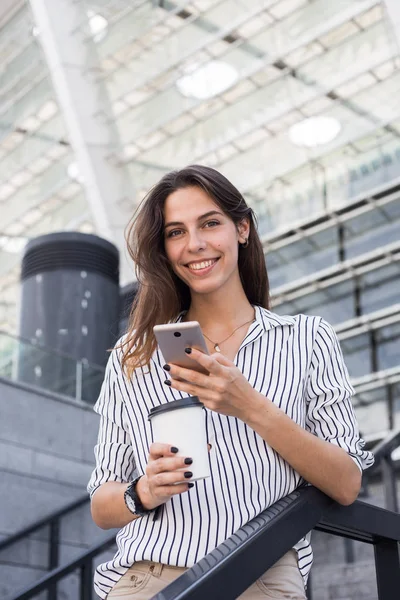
{"points": [[131, 491]]}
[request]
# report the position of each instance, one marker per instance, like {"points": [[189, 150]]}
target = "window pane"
{"points": [[334, 303], [303, 257], [357, 355], [371, 230], [388, 341], [380, 288], [373, 418], [372, 410]]}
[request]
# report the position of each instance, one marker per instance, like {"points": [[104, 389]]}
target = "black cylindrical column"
{"points": [[127, 296], [69, 303]]}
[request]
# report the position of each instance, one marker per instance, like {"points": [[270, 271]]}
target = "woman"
{"points": [[277, 397]]}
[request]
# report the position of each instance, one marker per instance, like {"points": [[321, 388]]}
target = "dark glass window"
{"points": [[379, 288], [388, 342], [334, 303], [303, 257], [357, 354], [371, 230]]}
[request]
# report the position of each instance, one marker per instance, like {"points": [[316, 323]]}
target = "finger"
{"points": [[162, 465], [158, 450], [189, 388], [188, 375], [207, 361], [162, 480], [166, 491]]}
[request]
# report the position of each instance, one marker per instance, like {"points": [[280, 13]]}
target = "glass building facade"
{"points": [[295, 101]]}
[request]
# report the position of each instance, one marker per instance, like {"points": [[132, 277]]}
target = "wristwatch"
{"points": [[132, 500]]}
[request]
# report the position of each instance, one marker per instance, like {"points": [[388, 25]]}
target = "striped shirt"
{"points": [[294, 361]]}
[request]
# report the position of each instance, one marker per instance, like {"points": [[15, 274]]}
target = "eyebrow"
{"points": [[208, 214]]}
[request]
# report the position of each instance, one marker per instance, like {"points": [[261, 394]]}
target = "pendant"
{"points": [[217, 348]]}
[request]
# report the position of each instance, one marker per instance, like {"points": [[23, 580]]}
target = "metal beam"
{"points": [[84, 102], [393, 12]]}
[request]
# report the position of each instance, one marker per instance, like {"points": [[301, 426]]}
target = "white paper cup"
{"points": [[181, 423]]}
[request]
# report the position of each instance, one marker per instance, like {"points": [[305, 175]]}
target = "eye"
{"points": [[174, 233], [211, 223]]}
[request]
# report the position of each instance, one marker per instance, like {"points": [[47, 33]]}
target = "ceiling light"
{"points": [[21, 178], [47, 111], [6, 190], [98, 25], [74, 172], [30, 124], [207, 80], [315, 131]]}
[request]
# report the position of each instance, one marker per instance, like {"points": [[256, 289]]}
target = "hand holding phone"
{"points": [[173, 338]]}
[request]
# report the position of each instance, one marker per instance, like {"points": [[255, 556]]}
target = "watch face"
{"points": [[130, 503]]}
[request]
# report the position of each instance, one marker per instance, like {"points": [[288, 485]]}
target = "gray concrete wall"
{"points": [[332, 578], [46, 457]]}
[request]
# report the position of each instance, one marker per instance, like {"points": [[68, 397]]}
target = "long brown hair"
{"points": [[161, 294]]}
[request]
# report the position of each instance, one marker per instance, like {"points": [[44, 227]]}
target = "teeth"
{"points": [[202, 265]]}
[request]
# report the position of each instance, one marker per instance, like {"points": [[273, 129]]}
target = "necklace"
{"points": [[216, 344]]}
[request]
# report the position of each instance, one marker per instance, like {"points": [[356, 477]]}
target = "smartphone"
{"points": [[173, 338]]}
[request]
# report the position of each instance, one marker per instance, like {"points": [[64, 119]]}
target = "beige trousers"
{"points": [[145, 579]]}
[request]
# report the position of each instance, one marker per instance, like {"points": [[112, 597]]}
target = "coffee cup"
{"points": [[181, 423]]}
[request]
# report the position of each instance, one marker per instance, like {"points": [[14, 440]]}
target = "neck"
{"points": [[217, 310]]}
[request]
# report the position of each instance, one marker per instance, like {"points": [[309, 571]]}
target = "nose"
{"points": [[196, 241]]}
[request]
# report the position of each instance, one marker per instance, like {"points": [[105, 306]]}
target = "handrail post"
{"points": [[389, 483], [86, 583], [54, 555], [387, 569]]}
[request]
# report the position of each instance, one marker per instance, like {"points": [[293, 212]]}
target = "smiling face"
{"points": [[201, 241]]}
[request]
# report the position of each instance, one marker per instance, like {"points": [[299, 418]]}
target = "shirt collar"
{"points": [[268, 320], [265, 319]]}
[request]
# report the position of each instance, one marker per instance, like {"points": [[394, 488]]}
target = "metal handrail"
{"points": [[285, 522], [44, 522]]}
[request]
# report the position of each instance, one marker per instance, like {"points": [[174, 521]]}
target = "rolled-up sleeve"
{"points": [[113, 452], [330, 413]]}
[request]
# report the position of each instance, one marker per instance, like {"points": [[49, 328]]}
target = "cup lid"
{"points": [[174, 405]]}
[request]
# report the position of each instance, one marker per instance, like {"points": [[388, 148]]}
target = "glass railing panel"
{"points": [[32, 364], [91, 377]]}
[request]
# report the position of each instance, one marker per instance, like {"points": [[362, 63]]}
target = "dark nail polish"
{"points": [[174, 449], [188, 474], [191, 485], [167, 382], [188, 350], [166, 368], [188, 461]]}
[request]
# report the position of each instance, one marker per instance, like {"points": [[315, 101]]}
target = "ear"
{"points": [[243, 229]]}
